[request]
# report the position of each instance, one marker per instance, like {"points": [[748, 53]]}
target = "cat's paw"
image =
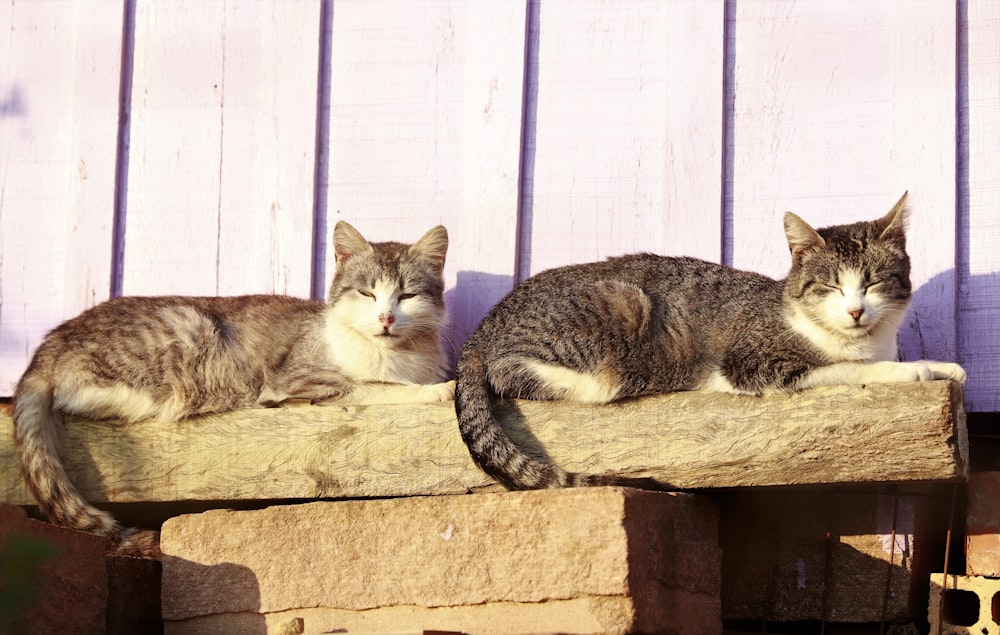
{"points": [[903, 372], [945, 370], [445, 391]]}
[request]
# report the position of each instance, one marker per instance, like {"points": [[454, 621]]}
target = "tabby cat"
{"points": [[376, 340], [644, 324]]}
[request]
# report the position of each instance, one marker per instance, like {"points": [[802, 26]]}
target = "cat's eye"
{"points": [[406, 296], [367, 294]]}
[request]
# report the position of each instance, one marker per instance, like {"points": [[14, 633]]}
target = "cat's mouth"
{"points": [[859, 330]]}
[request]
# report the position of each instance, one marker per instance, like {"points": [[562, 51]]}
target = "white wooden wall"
{"points": [[207, 147]]}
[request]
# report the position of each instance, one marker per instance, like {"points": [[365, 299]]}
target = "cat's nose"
{"points": [[856, 314], [386, 319]]}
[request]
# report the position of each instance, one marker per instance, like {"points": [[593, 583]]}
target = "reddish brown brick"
{"points": [[982, 525], [67, 592]]}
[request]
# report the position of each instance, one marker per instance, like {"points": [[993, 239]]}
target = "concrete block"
{"points": [[589, 560], [982, 525], [52, 579], [964, 605]]}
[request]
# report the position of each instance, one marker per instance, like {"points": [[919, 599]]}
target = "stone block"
{"points": [[52, 579], [589, 560], [964, 605], [982, 525]]}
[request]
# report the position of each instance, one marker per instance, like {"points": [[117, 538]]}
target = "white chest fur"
{"points": [[367, 358], [877, 345]]}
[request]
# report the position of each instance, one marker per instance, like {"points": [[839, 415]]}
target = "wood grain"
{"points": [[693, 172], [223, 137], [622, 133], [842, 434], [812, 121]]}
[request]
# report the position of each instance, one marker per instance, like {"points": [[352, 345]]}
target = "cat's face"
{"points": [[850, 279], [389, 292], [851, 299]]}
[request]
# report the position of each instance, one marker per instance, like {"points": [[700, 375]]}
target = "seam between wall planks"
{"points": [[529, 120], [222, 152], [962, 202], [728, 132], [321, 185], [122, 148]]}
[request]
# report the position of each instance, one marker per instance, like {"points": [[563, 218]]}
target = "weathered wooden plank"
{"points": [[979, 230], [223, 138], [622, 132], [425, 128], [59, 78], [692, 178], [812, 121], [879, 433], [922, 155]]}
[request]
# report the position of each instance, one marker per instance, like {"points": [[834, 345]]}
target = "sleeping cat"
{"points": [[644, 324], [376, 340]]}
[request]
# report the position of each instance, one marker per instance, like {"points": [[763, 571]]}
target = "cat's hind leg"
{"points": [[558, 382], [116, 401], [589, 331]]}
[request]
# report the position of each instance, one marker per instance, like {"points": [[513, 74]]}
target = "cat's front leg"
{"points": [[881, 373], [375, 393]]}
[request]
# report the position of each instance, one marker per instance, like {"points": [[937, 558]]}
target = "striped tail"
{"points": [[491, 447], [36, 425]]}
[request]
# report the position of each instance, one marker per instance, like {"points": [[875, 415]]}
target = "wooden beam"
{"points": [[694, 440]]}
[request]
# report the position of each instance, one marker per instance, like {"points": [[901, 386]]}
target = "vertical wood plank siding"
{"points": [[538, 133], [222, 148]]}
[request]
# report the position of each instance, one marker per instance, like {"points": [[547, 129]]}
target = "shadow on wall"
{"points": [[12, 102], [474, 294], [953, 317]]}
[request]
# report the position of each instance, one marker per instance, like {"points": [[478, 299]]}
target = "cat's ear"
{"points": [[347, 243], [893, 224], [802, 239], [433, 246]]}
